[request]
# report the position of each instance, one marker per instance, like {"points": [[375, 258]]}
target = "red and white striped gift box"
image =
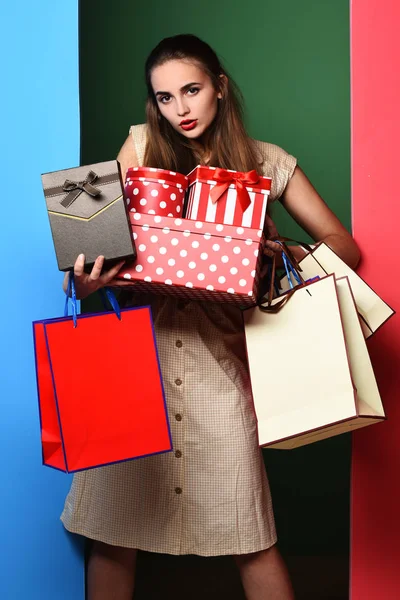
{"points": [[155, 191], [227, 197]]}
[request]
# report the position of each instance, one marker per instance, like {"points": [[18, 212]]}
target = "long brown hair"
{"points": [[227, 145]]}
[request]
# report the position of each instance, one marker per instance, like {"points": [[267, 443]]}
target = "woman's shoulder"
{"points": [[138, 134], [273, 155], [277, 164]]}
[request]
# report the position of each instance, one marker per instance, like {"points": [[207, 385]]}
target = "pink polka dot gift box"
{"points": [[195, 259], [155, 191], [228, 197]]}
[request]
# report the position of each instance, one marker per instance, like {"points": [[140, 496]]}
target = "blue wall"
{"points": [[39, 111]]}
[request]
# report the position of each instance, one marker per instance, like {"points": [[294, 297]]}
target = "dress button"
{"points": [[178, 454], [178, 490], [178, 381], [178, 417], [178, 344]]}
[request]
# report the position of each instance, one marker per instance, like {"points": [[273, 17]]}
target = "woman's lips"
{"points": [[188, 124]]}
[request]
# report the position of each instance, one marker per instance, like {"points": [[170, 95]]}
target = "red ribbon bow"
{"points": [[224, 179]]}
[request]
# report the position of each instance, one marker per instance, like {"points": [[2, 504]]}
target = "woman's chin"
{"points": [[193, 134]]}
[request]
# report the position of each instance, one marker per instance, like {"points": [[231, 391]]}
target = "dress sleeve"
{"points": [[138, 134], [277, 164]]}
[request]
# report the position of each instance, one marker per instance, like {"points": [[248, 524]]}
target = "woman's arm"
{"points": [[305, 205], [86, 283]]}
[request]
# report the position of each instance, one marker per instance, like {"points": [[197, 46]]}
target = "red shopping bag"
{"points": [[101, 397]]}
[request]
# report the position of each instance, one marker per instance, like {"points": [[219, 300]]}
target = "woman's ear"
{"points": [[223, 85]]}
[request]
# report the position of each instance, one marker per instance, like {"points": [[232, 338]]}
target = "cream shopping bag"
{"points": [[310, 370], [322, 261]]}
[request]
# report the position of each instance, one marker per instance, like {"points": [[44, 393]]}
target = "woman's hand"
{"points": [[87, 283], [271, 247]]}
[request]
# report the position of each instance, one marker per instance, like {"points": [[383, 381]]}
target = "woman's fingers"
{"points": [[121, 283], [107, 277], [268, 252], [86, 284], [79, 265], [96, 270], [271, 248]]}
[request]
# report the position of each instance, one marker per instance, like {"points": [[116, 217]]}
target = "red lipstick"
{"points": [[188, 124]]}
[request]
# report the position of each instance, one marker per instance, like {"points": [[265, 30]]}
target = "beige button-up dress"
{"points": [[210, 496]]}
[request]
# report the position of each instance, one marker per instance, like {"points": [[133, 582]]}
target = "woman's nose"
{"points": [[182, 107]]}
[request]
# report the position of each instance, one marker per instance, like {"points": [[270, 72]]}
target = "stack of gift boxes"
{"points": [[198, 237]]}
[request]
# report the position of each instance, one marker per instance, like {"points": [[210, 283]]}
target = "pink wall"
{"points": [[375, 531]]}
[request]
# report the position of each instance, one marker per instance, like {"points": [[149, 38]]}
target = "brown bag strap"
{"points": [[276, 307], [303, 244]]}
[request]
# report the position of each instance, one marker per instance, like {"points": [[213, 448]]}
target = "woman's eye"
{"points": [[165, 99], [192, 91]]}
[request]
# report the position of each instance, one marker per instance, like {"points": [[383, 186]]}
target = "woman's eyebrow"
{"points": [[184, 88], [189, 85]]}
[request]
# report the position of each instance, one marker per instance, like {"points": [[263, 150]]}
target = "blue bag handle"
{"points": [[289, 268], [107, 294], [70, 294]]}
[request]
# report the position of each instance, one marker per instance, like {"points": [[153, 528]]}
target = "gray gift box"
{"points": [[87, 213]]}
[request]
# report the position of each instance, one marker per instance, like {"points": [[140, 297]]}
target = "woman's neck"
{"points": [[200, 147]]}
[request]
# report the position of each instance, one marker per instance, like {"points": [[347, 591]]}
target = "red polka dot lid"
{"points": [[155, 191]]}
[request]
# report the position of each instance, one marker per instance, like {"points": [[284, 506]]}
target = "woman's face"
{"points": [[185, 97]]}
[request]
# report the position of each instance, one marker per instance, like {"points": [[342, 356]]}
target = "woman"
{"points": [[210, 496]]}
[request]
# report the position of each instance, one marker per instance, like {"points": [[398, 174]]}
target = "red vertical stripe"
{"points": [[375, 533], [221, 206], [257, 212], [238, 214]]}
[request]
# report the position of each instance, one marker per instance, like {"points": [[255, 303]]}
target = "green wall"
{"points": [[291, 60]]}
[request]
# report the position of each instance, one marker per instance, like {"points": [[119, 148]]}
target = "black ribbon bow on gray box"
{"points": [[75, 188]]}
